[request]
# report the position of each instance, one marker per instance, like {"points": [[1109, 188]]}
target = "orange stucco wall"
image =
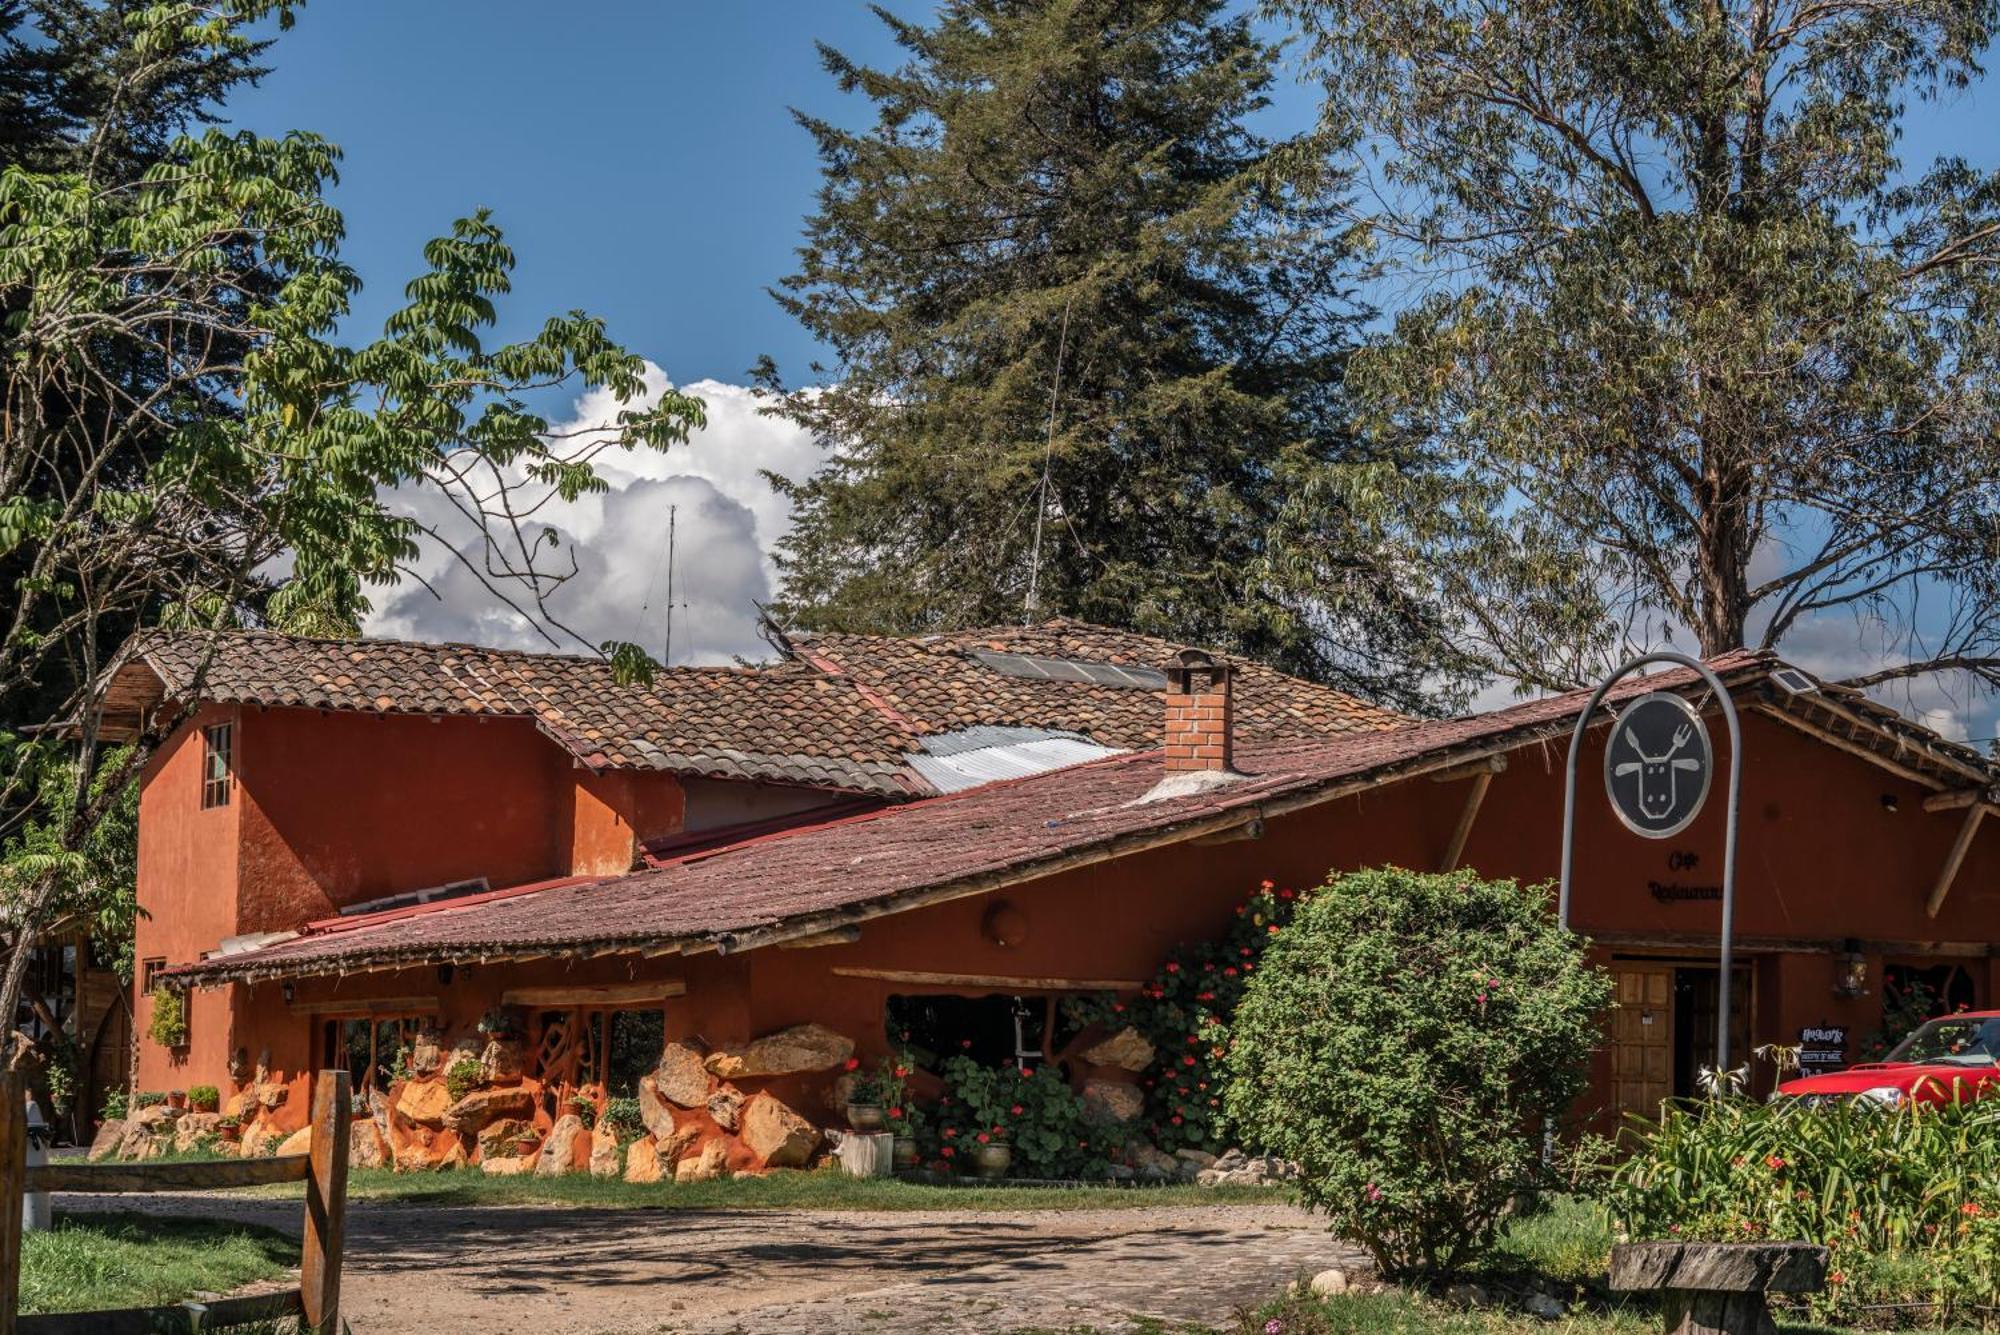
{"points": [[1822, 859]]}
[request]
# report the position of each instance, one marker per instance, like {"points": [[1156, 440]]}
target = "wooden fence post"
{"points": [[326, 1204], [13, 1179]]}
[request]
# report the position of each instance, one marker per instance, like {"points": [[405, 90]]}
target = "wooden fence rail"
{"points": [[323, 1169]]}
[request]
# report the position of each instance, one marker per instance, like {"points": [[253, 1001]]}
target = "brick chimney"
{"points": [[1199, 725]]}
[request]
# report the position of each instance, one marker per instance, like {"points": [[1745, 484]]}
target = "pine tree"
{"points": [[1086, 325]]}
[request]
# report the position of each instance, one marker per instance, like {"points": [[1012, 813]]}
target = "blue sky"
{"points": [[643, 160]]}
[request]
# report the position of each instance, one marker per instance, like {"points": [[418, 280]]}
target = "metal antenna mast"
{"points": [[667, 655], [1032, 605]]}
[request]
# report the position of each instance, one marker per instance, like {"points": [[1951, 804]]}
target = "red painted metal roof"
{"points": [[796, 882]]}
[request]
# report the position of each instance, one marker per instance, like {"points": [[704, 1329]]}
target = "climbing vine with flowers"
{"points": [[1185, 1011], [1033, 1109]]}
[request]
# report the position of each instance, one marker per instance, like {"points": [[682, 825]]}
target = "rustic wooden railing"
{"points": [[323, 1168]]}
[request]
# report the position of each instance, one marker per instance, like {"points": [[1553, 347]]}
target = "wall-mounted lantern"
{"points": [[1850, 972]]}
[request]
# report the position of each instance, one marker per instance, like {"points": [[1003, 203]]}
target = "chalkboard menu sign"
{"points": [[1822, 1047]]}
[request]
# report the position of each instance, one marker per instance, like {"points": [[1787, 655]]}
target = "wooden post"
{"points": [[13, 1177], [326, 1204], [1953, 860]]}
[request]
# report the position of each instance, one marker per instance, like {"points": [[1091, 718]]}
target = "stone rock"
{"points": [[426, 1053], [507, 1167], [365, 1146], [504, 1059], [654, 1110], [803, 1047], [673, 1147], [725, 1105], [604, 1153], [154, 1118], [471, 1113], [681, 1078], [1199, 1158], [455, 1155], [703, 1167], [1153, 1162], [272, 1094], [1545, 1306], [105, 1143], [299, 1142], [1128, 1050], [1113, 1101], [1719, 1267], [424, 1102], [1119, 1172], [497, 1139], [558, 1154], [143, 1147], [776, 1134], [141, 1135], [261, 1139], [242, 1105], [191, 1130], [642, 1161], [1327, 1283]]}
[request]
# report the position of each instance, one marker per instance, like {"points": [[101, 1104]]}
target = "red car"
{"points": [[1956, 1057]]}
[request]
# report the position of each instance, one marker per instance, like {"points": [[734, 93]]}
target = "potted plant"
{"points": [[527, 1142], [230, 1129], [992, 1155], [177, 1099], [874, 1093], [204, 1098], [905, 1122]]}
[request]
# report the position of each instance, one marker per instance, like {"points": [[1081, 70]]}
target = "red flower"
{"points": [[1175, 1119], [1774, 1163], [901, 1072], [1194, 1038], [896, 1113], [1208, 966], [1027, 1073], [1016, 1110], [985, 1139], [1188, 1060], [1272, 929], [950, 1132], [1288, 894], [1229, 972], [1245, 951], [1970, 1207], [965, 1042], [1265, 886], [1204, 996], [1837, 1277], [853, 1063], [1172, 967], [1118, 1007], [947, 1151]]}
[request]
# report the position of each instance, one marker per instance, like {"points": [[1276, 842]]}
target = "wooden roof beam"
{"points": [[1956, 858]]}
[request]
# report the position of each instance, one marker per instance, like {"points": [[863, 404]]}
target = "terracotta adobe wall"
{"points": [[1822, 858]]}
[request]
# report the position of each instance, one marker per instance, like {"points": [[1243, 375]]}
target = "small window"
{"points": [[218, 770], [149, 973]]}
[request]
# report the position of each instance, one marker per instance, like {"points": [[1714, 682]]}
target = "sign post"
{"points": [[1658, 765]]}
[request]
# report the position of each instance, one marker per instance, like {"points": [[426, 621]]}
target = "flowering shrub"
{"points": [[1907, 1200], [1185, 1012], [1034, 1110], [1405, 1039]]}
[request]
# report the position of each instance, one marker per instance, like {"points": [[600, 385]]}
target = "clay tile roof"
{"points": [[796, 882], [787, 724], [936, 683]]}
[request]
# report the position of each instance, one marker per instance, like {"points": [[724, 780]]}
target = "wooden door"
{"points": [[1642, 1039]]}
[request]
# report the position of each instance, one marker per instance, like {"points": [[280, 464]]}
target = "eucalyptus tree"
{"points": [[1087, 329], [185, 440], [1690, 346]]}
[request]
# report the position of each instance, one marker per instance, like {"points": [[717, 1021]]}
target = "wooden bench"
{"points": [[1708, 1288]]}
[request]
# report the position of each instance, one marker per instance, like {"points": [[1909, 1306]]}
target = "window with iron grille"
{"points": [[218, 772]]}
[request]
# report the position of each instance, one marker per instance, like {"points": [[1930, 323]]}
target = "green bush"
{"points": [[148, 1098], [1908, 1199], [464, 1076], [204, 1098], [116, 1105], [168, 1026], [1035, 1111], [1405, 1040], [622, 1116]]}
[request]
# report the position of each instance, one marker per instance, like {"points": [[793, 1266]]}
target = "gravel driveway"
{"points": [[552, 1270]]}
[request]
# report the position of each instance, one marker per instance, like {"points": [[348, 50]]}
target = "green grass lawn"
{"points": [[89, 1262], [825, 1190]]}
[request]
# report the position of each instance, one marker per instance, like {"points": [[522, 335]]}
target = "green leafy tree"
{"points": [[1691, 346], [1406, 1039], [124, 499], [1087, 330]]}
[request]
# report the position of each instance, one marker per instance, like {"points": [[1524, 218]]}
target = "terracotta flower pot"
{"points": [[994, 1158], [177, 1100], [866, 1116], [230, 1134]]}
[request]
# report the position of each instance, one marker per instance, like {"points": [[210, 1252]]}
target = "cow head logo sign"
{"points": [[1657, 764]]}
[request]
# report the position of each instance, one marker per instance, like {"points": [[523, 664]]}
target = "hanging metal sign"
{"points": [[1660, 797], [1657, 765]]}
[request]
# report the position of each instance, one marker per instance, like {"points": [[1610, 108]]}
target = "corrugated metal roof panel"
{"points": [[955, 761]]}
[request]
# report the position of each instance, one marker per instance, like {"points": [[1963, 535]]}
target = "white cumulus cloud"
{"points": [[726, 522]]}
